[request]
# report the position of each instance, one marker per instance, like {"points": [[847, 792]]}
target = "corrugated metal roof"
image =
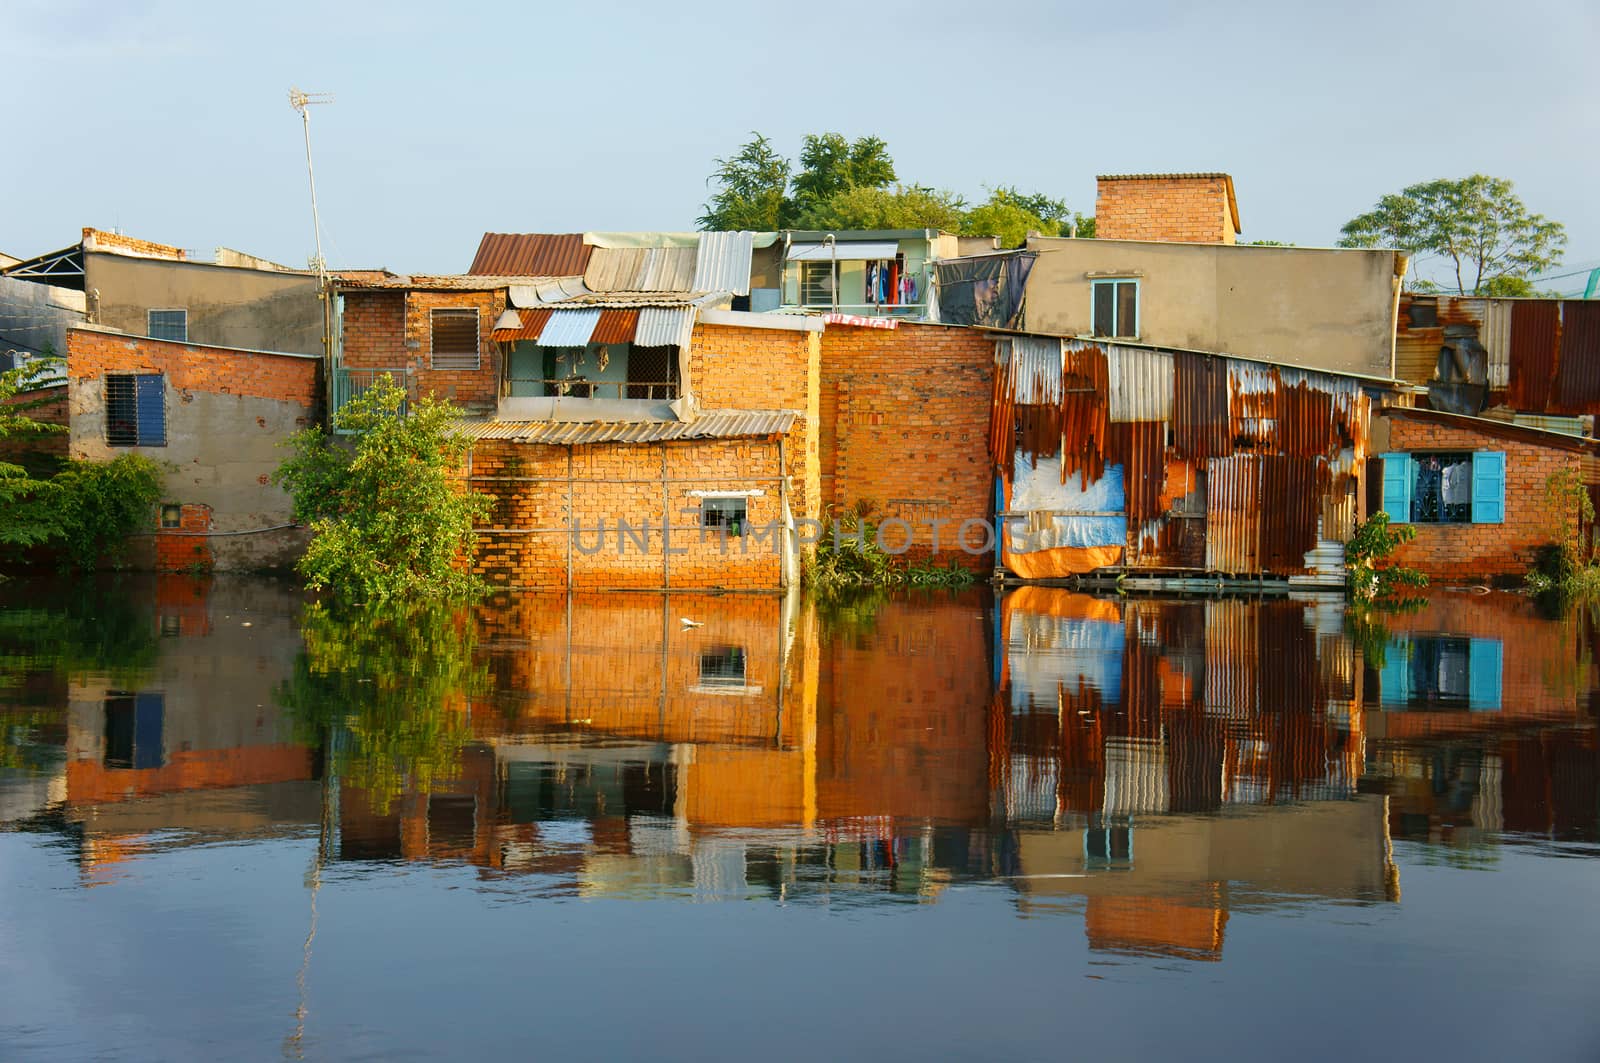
{"points": [[661, 327], [569, 328], [532, 323], [412, 281], [616, 326], [1141, 384], [571, 292], [711, 424], [722, 263], [641, 269], [843, 251], [531, 255]]}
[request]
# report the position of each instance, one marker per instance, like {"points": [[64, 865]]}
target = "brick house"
{"points": [[1475, 491]]}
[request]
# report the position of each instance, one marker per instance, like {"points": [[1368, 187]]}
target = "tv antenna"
{"points": [[303, 102]]}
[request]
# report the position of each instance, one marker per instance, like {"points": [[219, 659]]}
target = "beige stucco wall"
{"points": [[228, 307], [1324, 308]]}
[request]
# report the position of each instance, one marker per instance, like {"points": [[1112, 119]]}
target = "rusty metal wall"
{"points": [[1200, 407], [1495, 335], [1141, 383], [1233, 507], [1577, 383], [1535, 345]]}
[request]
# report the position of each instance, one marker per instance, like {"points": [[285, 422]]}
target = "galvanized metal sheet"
{"points": [[1036, 372], [722, 262], [641, 269], [1495, 335], [569, 328], [1141, 383], [664, 327], [844, 251], [531, 255], [711, 424]]}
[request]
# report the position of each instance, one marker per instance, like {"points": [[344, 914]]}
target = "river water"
{"points": [[234, 824]]}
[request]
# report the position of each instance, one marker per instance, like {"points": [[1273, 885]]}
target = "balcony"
{"points": [[349, 383]]}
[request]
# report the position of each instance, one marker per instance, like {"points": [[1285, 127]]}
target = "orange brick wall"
{"points": [[905, 422], [188, 367], [185, 548], [46, 447], [526, 541], [374, 330], [1474, 552], [478, 389], [1183, 209]]}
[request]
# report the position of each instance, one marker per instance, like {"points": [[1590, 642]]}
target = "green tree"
{"points": [[751, 190], [883, 208], [388, 517], [1477, 225], [99, 505], [830, 164], [1011, 215], [27, 514]]}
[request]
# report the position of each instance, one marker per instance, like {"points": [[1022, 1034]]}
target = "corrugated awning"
{"points": [[711, 424], [529, 323], [569, 328], [664, 327], [616, 326], [844, 251]]}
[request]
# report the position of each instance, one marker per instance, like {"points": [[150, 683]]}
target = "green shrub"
{"points": [[841, 564], [100, 505], [1371, 573]]}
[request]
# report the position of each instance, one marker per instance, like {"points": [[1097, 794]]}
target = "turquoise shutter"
{"points": [[1394, 682], [1485, 668], [1489, 487], [1397, 480]]}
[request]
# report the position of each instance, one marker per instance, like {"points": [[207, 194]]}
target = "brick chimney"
{"points": [[1194, 208]]}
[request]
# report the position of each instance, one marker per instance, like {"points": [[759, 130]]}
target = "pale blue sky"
{"points": [[170, 120]]}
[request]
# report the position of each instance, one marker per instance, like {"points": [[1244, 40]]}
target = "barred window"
{"points": [[722, 666], [730, 514], [816, 283], [136, 410], [455, 339], [168, 325]]}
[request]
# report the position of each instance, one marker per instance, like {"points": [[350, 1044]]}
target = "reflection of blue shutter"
{"points": [[1485, 666], [1489, 487], [1397, 480], [1394, 682], [152, 410], [148, 711]]}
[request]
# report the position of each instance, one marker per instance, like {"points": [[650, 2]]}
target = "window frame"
{"points": [[710, 504], [150, 328], [1416, 470], [140, 438], [721, 657], [433, 341], [808, 267], [1116, 307]]}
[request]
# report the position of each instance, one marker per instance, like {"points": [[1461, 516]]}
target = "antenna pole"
{"points": [[302, 102]]}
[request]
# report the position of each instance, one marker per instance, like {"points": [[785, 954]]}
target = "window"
{"points": [[727, 513], [1440, 672], [168, 325], [722, 666], [455, 339], [171, 515], [133, 730], [136, 410], [1116, 308], [1445, 488], [816, 283], [1108, 842]]}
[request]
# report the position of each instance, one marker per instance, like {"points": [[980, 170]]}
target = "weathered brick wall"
{"points": [[527, 543], [476, 389], [374, 330], [1474, 552], [193, 368], [1183, 209], [41, 451], [904, 425]]}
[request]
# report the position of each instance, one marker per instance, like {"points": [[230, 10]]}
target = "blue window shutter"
{"points": [[1394, 681], [151, 404], [149, 711], [1489, 487], [1485, 671], [1397, 480]]}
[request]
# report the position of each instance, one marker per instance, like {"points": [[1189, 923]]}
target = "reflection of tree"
{"points": [[386, 689]]}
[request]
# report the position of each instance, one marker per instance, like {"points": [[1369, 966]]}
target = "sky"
{"points": [[171, 121]]}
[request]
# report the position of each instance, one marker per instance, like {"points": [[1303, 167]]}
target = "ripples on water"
{"points": [[217, 777]]}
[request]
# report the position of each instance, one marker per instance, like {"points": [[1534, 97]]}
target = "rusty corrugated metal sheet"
{"points": [[1037, 370], [1200, 407], [1140, 447], [1535, 346], [1084, 424], [722, 262], [533, 323], [1292, 489], [1233, 507], [531, 255], [711, 424], [1141, 383], [641, 269], [1495, 335], [1577, 385], [616, 326]]}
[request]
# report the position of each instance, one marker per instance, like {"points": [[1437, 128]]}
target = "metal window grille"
{"points": [[136, 411], [653, 372], [816, 283], [729, 513], [722, 666], [168, 325], [455, 339]]}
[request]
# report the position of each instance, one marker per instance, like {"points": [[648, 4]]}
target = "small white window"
{"points": [[455, 339], [816, 284], [1116, 309], [168, 325]]}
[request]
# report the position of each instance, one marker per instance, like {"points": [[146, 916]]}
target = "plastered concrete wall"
{"points": [[905, 422], [1476, 552], [35, 317], [1325, 309], [228, 307], [227, 412]]}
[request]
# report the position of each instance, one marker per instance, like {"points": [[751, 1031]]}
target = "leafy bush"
{"points": [[386, 515], [100, 505], [840, 563], [1372, 574]]}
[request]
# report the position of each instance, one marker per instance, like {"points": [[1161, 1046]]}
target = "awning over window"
{"points": [[569, 328], [847, 251]]}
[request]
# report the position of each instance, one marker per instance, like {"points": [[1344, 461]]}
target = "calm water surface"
{"points": [[1039, 826]]}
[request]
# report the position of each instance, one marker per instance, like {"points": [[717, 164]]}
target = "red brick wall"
{"points": [[37, 451], [476, 389], [180, 549], [1184, 209], [374, 330], [526, 543], [1474, 552], [905, 422], [218, 370]]}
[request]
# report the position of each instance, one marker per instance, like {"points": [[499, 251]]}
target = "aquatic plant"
{"points": [[849, 556], [1371, 572]]}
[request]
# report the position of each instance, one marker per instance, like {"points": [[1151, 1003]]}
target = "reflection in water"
{"points": [[1151, 766]]}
